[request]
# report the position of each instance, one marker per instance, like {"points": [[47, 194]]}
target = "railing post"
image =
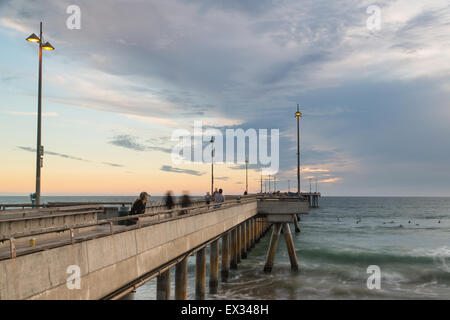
{"points": [[111, 227], [163, 286], [214, 267], [225, 256], [181, 273], [72, 236], [200, 274], [12, 244]]}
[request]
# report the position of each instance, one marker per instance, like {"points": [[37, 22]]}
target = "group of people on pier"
{"points": [[140, 203]]}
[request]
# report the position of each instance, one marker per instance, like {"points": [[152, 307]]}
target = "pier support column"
{"points": [[163, 286], [252, 233], [214, 267], [257, 230], [225, 257], [243, 241], [233, 249], [200, 275], [247, 230], [297, 227], [290, 247], [181, 277], [272, 247], [239, 241]]}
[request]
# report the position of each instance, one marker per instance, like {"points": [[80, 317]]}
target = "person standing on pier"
{"points": [[185, 202], [207, 199], [218, 198], [169, 200]]}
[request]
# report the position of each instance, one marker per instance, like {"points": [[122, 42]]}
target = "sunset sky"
{"points": [[375, 103]]}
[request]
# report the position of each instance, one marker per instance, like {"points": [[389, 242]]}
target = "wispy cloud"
{"points": [[67, 156], [20, 113], [178, 170], [131, 142]]}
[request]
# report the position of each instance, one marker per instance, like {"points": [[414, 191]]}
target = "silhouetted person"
{"points": [[245, 192], [208, 199], [185, 202], [169, 200], [138, 206], [218, 198]]}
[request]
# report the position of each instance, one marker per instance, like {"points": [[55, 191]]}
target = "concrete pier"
{"points": [[243, 241], [233, 250], [239, 243], [163, 286], [290, 247], [181, 278], [214, 267], [115, 259], [200, 274], [225, 256], [272, 248]]}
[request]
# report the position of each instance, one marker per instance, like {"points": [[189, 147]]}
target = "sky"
{"points": [[375, 101]]}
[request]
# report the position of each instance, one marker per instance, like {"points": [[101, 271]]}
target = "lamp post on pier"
{"points": [[39, 148], [212, 165], [298, 115]]}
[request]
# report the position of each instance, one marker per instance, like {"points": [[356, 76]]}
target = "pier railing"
{"points": [[141, 220]]}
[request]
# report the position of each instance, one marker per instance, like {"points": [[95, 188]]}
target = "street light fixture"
{"points": [[39, 149], [298, 115], [212, 165]]}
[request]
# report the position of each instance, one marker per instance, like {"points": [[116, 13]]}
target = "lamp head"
{"points": [[48, 46], [33, 38]]}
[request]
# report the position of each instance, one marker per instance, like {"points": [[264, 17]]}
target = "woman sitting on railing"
{"points": [[139, 206]]}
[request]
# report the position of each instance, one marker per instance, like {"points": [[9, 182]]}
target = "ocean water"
{"points": [[408, 238]]}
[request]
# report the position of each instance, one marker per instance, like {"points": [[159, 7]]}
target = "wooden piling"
{"points": [[243, 241], [200, 274], [238, 247], [290, 247], [272, 247], [233, 249], [252, 233], [225, 256], [297, 227], [247, 230], [181, 273], [214, 267], [163, 286]]}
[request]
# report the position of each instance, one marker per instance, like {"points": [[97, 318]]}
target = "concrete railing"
{"points": [[110, 261], [41, 220]]}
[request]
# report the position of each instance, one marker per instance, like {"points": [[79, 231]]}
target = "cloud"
{"points": [[375, 104], [66, 156], [178, 170], [131, 142], [44, 114], [127, 142]]}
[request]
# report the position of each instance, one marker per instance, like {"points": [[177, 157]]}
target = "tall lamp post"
{"points": [[298, 115], [39, 148], [246, 176], [212, 164]]}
